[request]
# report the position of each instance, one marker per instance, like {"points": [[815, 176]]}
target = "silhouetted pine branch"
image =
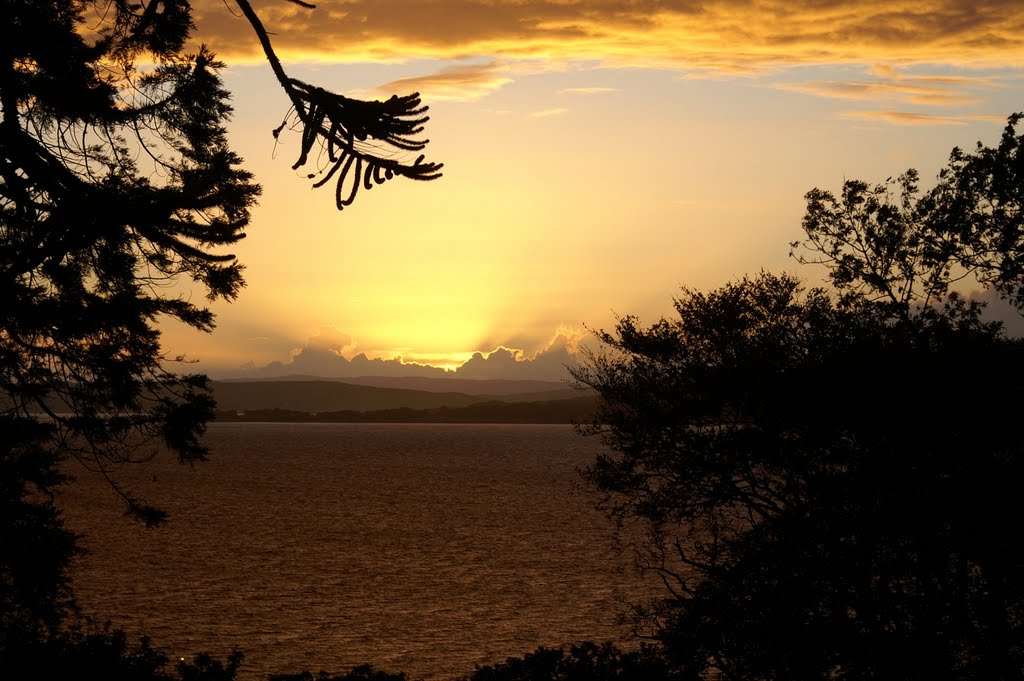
{"points": [[357, 142]]}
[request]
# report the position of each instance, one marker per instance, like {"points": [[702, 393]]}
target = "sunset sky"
{"points": [[598, 155]]}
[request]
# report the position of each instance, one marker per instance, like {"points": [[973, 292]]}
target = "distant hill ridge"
{"points": [[468, 386], [575, 410], [331, 395]]}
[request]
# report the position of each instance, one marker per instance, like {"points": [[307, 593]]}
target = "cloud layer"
{"points": [[730, 35], [322, 356], [463, 82]]}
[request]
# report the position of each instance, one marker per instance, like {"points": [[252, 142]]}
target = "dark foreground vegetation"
{"points": [[824, 474], [829, 478], [107, 654]]}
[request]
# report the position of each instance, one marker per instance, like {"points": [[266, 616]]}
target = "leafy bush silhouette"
{"points": [[587, 661], [823, 474]]}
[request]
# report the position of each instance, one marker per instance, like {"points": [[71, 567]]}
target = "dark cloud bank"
{"points": [[324, 360]]}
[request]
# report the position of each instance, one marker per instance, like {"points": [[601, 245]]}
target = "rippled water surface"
{"points": [[417, 548]]}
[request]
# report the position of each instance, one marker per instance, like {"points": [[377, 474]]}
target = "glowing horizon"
{"points": [[597, 157]]}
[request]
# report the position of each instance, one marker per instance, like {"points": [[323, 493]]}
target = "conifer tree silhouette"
{"points": [[119, 191]]}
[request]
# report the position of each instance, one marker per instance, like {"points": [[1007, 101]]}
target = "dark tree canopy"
{"points": [[825, 475], [119, 192], [116, 182], [894, 243]]}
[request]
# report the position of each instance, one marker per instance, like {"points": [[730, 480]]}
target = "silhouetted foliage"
{"points": [[362, 672], [366, 141], [118, 193], [825, 475], [203, 667], [74, 654], [35, 548], [105, 653], [894, 243], [587, 661], [116, 181]]}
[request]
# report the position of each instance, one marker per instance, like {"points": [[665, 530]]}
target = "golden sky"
{"points": [[598, 155], [717, 34]]}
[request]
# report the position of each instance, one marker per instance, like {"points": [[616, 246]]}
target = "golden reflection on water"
{"points": [[418, 548]]}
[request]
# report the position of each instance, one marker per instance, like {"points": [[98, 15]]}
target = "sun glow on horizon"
{"points": [[586, 185], [407, 356]]}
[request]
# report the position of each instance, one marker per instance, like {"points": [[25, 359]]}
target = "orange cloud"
{"points": [[913, 118], [547, 113], [588, 90], [721, 35], [330, 339], [886, 83], [462, 83], [903, 92]]}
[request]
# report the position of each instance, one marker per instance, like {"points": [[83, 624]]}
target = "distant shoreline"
{"points": [[553, 412]]}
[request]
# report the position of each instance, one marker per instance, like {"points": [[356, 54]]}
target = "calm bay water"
{"points": [[417, 548]]}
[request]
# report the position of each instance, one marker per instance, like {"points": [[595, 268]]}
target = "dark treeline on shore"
{"points": [[323, 396], [559, 411]]}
